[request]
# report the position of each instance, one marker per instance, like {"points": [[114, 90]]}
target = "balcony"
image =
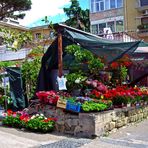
{"points": [[143, 30]]}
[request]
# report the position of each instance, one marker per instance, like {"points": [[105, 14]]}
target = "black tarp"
{"points": [[16, 88], [110, 50]]}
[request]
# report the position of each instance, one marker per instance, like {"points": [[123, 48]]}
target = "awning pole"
{"points": [[60, 52]]}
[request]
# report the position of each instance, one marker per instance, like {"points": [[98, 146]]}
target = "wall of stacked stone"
{"points": [[96, 123]]}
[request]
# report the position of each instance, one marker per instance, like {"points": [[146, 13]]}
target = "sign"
{"points": [[62, 83]]}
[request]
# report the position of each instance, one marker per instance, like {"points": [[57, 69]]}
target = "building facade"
{"points": [[42, 35], [120, 16]]}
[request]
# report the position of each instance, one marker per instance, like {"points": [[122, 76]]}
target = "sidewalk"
{"points": [[15, 138], [135, 135]]}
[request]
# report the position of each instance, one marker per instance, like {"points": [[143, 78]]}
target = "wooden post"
{"points": [[60, 52]]}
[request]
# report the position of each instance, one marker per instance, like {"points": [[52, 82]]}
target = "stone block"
{"points": [[99, 129], [71, 116], [78, 130], [107, 127], [60, 122], [125, 121], [72, 122], [60, 128], [112, 125], [119, 124], [67, 128]]}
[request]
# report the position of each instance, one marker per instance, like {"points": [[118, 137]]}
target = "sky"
{"points": [[51, 8]]}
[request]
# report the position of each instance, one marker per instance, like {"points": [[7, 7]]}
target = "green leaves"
{"points": [[95, 65], [30, 70], [93, 106], [84, 56], [123, 72], [12, 121], [37, 124], [78, 18], [75, 80], [14, 39], [8, 7]]}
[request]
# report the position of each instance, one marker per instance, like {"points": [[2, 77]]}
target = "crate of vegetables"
{"points": [[73, 106]]}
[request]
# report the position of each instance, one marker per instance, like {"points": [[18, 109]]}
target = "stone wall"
{"points": [[94, 124]]}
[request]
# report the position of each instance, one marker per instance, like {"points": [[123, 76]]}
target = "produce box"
{"points": [[61, 104], [73, 106]]}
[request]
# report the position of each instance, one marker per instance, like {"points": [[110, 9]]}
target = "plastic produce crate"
{"points": [[75, 107]]}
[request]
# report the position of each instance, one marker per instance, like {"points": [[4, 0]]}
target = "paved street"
{"points": [[135, 135]]}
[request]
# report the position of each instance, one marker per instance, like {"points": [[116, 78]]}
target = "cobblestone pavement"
{"points": [[135, 135], [67, 143]]}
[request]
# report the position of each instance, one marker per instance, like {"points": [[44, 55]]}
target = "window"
{"points": [[144, 20], [112, 4], [119, 3], [115, 26], [95, 29], [52, 35], [101, 28], [101, 5], [144, 2], [97, 5], [92, 5], [107, 4], [111, 25], [119, 26], [38, 35]]}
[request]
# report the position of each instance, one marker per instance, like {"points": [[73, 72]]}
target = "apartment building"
{"points": [[42, 35], [120, 17]]}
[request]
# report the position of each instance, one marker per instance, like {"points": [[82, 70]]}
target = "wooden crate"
{"points": [[61, 103]]}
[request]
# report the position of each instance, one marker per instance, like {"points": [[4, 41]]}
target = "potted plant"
{"points": [[75, 82], [140, 26]]}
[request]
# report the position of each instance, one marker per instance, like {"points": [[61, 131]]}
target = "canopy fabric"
{"points": [[16, 88], [142, 48], [110, 50]]}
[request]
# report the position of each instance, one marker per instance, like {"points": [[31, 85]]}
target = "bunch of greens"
{"points": [[40, 124], [93, 106]]}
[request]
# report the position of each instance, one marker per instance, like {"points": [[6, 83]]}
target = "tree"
{"points": [[78, 18], [14, 39], [14, 8]]}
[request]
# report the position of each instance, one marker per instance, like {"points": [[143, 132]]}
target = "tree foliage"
{"points": [[14, 39], [14, 8], [78, 18]]}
